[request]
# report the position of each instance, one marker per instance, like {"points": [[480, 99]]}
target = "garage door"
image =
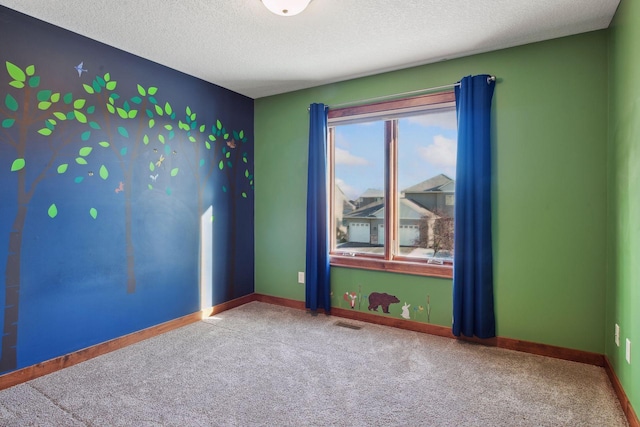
{"points": [[359, 232], [409, 234]]}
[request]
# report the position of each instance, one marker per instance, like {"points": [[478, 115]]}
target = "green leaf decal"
{"points": [[101, 81], [7, 123], [111, 85], [53, 211], [63, 168], [167, 108], [246, 173], [67, 98], [123, 151], [94, 125], [80, 116], [121, 112], [44, 105], [79, 103], [107, 77], [85, 135], [150, 187], [81, 161], [174, 171], [151, 123], [152, 90], [111, 109], [221, 165], [78, 179], [11, 102], [145, 139], [104, 144], [45, 131], [31, 70], [104, 173], [241, 134], [244, 194], [141, 91], [136, 100], [17, 165], [55, 97], [43, 95], [152, 166], [93, 212], [16, 84], [60, 116], [85, 151], [88, 89], [15, 72], [122, 131], [202, 162], [132, 114], [159, 110], [34, 81], [206, 144], [161, 138], [168, 191], [218, 124]]}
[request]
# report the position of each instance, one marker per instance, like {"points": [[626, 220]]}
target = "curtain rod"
{"points": [[396, 95]]}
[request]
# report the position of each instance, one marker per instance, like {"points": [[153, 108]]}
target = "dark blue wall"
{"points": [[112, 206]]}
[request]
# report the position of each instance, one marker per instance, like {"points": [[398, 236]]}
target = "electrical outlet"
{"points": [[628, 351], [616, 336], [301, 277]]}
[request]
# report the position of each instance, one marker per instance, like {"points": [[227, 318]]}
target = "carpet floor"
{"points": [[266, 365]]}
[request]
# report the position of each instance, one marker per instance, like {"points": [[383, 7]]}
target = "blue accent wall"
{"points": [[109, 164]]}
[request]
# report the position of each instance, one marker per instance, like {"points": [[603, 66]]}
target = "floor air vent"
{"points": [[347, 325]]}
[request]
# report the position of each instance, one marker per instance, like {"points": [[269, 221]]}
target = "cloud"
{"points": [[443, 119], [343, 157], [442, 152]]}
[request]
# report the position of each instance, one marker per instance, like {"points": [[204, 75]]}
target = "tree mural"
{"points": [[209, 159], [24, 106], [141, 136]]}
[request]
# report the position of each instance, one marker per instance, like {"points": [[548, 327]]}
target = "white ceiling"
{"points": [[240, 45]]}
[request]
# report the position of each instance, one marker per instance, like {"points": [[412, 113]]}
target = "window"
{"points": [[392, 172]]}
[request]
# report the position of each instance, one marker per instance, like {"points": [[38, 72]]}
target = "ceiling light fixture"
{"points": [[286, 7]]}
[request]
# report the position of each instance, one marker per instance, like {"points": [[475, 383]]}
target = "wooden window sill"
{"points": [[396, 266]]}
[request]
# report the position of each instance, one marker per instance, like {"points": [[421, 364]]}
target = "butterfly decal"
{"points": [[79, 69], [120, 187], [160, 160], [231, 144], [153, 177]]}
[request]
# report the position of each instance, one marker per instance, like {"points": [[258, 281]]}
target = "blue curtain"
{"points": [[473, 312], [317, 261]]}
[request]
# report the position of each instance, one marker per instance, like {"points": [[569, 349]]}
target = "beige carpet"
{"points": [[271, 366]]}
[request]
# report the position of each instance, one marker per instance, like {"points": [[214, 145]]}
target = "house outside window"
{"points": [[392, 172]]}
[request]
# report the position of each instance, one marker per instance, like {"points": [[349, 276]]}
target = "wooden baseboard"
{"points": [[208, 312], [443, 331], [34, 371], [632, 418]]}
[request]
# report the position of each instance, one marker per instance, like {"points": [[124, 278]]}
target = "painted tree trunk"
{"points": [[9, 360]]}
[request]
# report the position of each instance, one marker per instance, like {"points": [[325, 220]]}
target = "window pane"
{"points": [[359, 188], [426, 180]]}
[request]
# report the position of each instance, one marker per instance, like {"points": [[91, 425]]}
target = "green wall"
{"points": [[623, 289], [550, 109]]}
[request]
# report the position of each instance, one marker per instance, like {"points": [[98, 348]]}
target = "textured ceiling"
{"points": [[240, 45]]}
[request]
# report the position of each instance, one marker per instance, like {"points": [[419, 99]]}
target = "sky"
{"points": [[427, 147]]}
